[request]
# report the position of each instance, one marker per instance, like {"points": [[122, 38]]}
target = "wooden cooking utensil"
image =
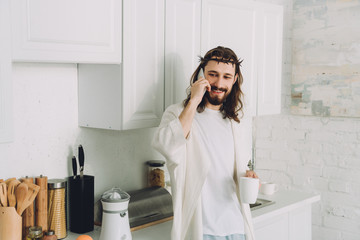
{"points": [[20, 193], [9, 180], [33, 190], [10, 224], [3, 194], [11, 192], [41, 203], [28, 216]]}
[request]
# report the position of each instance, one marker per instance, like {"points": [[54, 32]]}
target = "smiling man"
{"points": [[202, 141]]}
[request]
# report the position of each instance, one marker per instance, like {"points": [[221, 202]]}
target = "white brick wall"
{"points": [[325, 161], [312, 154]]}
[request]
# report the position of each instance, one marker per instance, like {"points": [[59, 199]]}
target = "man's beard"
{"points": [[216, 100]]}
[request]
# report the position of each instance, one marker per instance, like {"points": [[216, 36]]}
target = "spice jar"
{"points": [[156, 173], [56, 207], [35, 233], [50, 235]]}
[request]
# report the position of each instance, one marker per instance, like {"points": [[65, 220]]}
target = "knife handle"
{"points": [[81, 160], [81, 156], [74, 166]]}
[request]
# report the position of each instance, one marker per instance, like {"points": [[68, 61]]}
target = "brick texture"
{"points": [[313, 154]]}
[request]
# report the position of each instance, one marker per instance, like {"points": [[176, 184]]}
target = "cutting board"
{"points": [[10, 224]]}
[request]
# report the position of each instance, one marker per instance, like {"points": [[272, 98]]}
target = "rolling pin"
{"points": [[28, 215], [41, 203]]}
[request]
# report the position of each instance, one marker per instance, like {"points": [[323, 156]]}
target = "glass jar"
{"points": [[50, 235], [156, 173], [56, 207], [35, 233]]}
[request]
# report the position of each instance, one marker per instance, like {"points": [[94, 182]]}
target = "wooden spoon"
{"points": [[33, 190], [3, 194], [20, 193], [9, 180], [11, 192]]}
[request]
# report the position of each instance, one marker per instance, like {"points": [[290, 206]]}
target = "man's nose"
{"points": [[218, 81]]}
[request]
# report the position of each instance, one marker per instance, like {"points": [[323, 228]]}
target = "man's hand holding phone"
{"points": [[199, 87]]}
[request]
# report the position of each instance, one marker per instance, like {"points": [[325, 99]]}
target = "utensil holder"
{"points": [[10, 224], [81, 204]]}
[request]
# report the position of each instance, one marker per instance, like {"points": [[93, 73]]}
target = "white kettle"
{"points": [[115, 220]]}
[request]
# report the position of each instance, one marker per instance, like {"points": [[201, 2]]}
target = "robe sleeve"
{"points": [[169, 138]]}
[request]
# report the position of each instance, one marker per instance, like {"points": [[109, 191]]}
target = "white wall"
{"points": [[47, 134], [312, 154]]}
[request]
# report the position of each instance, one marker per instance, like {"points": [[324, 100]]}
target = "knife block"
{"points": [[81, 204], [10, 224]]}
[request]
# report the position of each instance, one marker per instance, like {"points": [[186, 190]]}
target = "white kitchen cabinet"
{"points": [[232, 24], [182, 48], [276, 228], [143, 67], [161, 48], [269, 62], [6, 125], [291, 225], [81, 31], [300, 223], [254, 31], [130, 95]]}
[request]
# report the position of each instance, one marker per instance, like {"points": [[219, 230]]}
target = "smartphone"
{"points": [[201, 74]]}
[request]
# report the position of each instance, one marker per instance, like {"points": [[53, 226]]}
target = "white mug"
{"points": [[249, 189], [268, 188]]}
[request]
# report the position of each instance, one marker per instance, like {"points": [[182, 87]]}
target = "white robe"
{"points": [[188, 167]]}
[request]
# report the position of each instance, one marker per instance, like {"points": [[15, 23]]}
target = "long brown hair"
{"points": [[233, 103]]}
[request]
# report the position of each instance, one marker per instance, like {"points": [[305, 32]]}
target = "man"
{"points": [[202, 140]]}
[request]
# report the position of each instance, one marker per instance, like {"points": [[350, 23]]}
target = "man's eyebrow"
{"points": [[228, 74]]}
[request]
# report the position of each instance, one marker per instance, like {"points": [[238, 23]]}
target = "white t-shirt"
{"points": [[220, 207]]}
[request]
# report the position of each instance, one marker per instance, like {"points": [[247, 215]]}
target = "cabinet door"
{"points": [[276, 228], [254, 31], [84, 31], [143, 63], [182, 47], [233, 24], [269, 42], [5, 73], [300, 223]]}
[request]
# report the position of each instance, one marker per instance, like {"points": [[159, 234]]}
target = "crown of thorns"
{"points": [[221, 59]]}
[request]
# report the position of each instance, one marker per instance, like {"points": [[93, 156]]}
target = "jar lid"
{"points": [[156, 163], [56, 183], [50, 232], [115, 195], [36, 230]]}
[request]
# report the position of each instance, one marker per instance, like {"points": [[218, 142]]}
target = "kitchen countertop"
{"points": [[285, 201]]}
